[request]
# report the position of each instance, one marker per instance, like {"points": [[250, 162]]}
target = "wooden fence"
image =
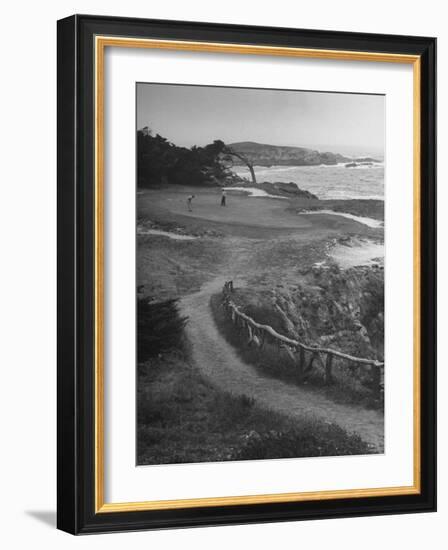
{"points": [[303, 355]]}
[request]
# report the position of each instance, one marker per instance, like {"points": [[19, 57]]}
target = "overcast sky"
{"points": [[196, 115]]}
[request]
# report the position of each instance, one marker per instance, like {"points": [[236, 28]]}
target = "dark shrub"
{"points": [[160, 327]]}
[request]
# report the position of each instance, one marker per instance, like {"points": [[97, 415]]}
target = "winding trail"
{"points": [[219, 362]]}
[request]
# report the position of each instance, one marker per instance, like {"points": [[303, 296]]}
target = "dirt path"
{"points": [[219, 361]]}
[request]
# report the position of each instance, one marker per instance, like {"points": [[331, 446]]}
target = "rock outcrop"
{"points": [[339, 309]]}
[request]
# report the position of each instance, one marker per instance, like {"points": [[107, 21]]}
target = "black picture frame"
{"points": [[76, 256]]}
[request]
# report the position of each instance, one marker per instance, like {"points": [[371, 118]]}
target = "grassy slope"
{"points": [[167, 268], [183, 418]]}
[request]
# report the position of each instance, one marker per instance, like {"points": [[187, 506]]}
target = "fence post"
{"points": [[376, 378], [329, 369], [249, 330], [302, 358], [310, 364], [300, 363]]}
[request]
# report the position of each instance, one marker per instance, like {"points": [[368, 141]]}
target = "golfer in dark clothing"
{"points": [[189, 199], [223, 198]]}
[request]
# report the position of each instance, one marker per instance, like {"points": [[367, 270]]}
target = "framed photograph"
{"points": [[246, 271]]}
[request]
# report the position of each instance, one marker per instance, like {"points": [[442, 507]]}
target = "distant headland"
{"points": [[261, 154]]}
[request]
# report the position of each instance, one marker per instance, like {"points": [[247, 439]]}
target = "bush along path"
{"points": [[219, 362]]}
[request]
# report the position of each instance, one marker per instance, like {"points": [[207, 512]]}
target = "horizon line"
{"points": [[319, 147]]}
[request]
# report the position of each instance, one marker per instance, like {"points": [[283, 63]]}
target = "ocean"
{"points": [[327, 182]]}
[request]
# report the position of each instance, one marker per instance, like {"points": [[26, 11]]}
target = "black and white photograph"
{"points": [[260, 274]]}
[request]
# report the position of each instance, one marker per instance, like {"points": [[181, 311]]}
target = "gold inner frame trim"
{"points": [[101, 42]]}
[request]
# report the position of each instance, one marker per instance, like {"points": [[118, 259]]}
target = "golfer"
{"points": [[223, 197], [189, 199]]}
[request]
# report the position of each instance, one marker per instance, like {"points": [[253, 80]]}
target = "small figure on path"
{"points": [[189, 199], [223, 197]]}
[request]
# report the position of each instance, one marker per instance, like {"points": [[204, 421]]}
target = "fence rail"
{"points": [[259, 333]]}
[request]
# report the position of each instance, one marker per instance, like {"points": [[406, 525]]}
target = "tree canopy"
{"points": [[160, 161]]}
